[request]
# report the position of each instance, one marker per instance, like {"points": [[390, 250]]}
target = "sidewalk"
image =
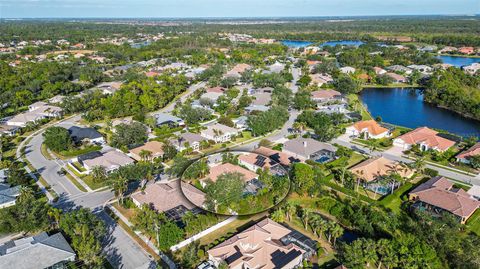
{"points": [[164, 257]]}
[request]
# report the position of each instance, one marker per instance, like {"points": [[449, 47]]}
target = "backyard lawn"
{"points": [[473, 224], [394, 201]]}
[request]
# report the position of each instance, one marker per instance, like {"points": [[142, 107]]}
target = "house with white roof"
{"points": [[219, 133]]}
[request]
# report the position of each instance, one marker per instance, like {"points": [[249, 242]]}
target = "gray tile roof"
{"points": [[306, 147], [80, 133], [8, 194], [35, 252]]}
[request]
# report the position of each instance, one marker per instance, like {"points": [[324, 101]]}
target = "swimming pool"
{"points": [[323, 159]]}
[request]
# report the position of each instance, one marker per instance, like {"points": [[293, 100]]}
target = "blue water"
{"points": [[353, 43], [296, 43], [348, 237], [405, 107], [301, 44], [322, 159], [458, 61]]}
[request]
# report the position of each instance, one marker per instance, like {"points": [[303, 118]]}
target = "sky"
{"points": [[230, 8]]}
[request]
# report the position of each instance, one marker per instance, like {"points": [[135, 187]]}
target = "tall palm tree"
{"points": [[317, 223], [120, 186], [99, 173], [145, 155], [336, 231], [306, 213], [370, 252], [290, 210]]}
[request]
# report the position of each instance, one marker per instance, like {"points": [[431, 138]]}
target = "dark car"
{"points": [[61, 172]]}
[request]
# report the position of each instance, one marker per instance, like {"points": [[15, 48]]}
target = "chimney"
{"points": [[305, 144]]}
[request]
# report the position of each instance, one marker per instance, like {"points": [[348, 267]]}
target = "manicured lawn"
{"points": [[79, 167], [363, 110], [76, 152], [473, 224], [355, 158], [394, 201], [44, 151], [92, 184]]}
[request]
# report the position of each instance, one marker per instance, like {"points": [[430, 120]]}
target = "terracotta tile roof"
{"points": [[216, 171], [473, 151], [427, 136], [278, 156], [373, 168], [325, 94], [167, 195], [216, 89], [155, 147], [110, 160], [438, 192], [258, 247], [371, 125]]}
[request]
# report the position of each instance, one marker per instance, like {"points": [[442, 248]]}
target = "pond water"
{"points": [[296, 43], [458, 61], [301, 44], [405, 107], [348, 237]]}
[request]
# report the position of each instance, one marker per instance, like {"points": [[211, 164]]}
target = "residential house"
{"points": [[347, 70], [187, 140], [400, 68], [262, 98], [219, 133], [439, 195], [367, 129], [320, 79], [421, 68], [39, 251], [212, 97], [36, 112], [379, 167], [379, 71], [217, 170], [464, 156], [322, 96], [447, 49], [81, 134], [109, 87], [397, 78], [241, 122], [309, 149], [254, 161], [472, 69], [265, 245], [170, 197], [249, 109], [237, 70], [154, 148], [466, 50], [425, 137], [170, 120], [8, 195], [216, 89], [283, 158], [335, 108], [8, 130], [110, 160], [276, 68]]}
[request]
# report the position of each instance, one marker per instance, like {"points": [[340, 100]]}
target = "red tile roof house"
{"points": [[424, 137], [254, 161], [438, 195], [367, 129], [216, 89], [164, 196], [220, 169], [263, 245], [467, 50], [322, 96], [464, 156]]}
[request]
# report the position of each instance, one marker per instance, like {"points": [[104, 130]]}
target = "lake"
{"points": [[301, 44], [405, 107], [458, 61]]}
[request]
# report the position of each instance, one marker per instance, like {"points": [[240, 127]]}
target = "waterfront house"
{"points": [[265, 245], [472, 69], [466, 50], [367, 129], [322, 96], [426, 138], [464, 156], [219, 133], [439, 195], [397, 78], [400, 69], [39, 251], [379, 167], [379, 71], [309, 149]]}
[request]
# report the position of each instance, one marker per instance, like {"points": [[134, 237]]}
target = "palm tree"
{"points": [[335, 232], [26, 194], [290, 210], [299, 126], [306, 213], [419, 163], [317, 223], [99, 173], [341, 170], [120, 186], [370, 252], [145, 155]]}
